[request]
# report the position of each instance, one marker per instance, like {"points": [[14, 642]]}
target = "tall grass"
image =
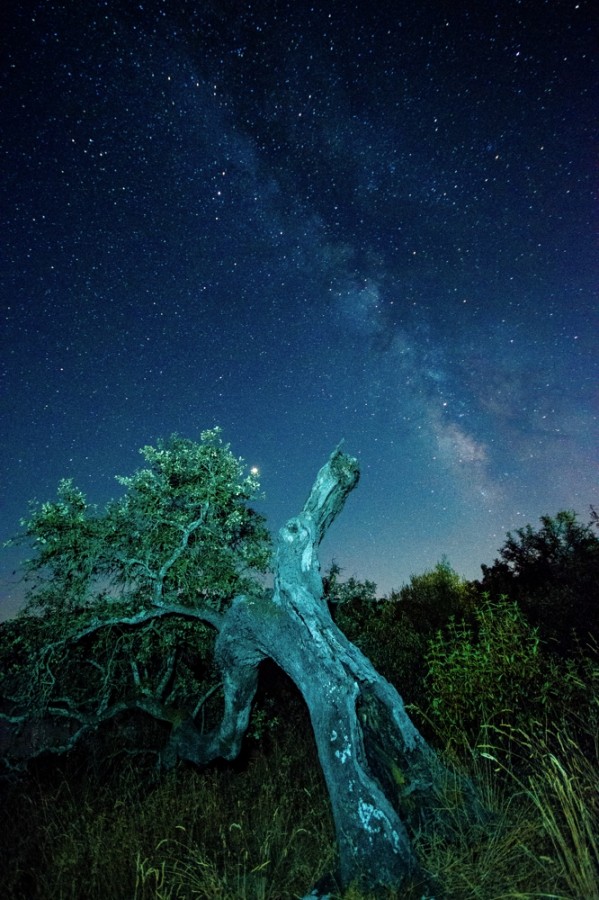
{"points": [[560, 784], [541, 837], [262, 832], [277, 842], [265, 833]]}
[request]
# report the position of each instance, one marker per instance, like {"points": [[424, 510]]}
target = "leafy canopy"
{"points": [[182, 532], [116, 613], [552, 573]]}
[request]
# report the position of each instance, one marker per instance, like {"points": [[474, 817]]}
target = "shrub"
{"points": [[479, 671]]}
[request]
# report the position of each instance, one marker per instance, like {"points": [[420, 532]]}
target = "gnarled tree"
{"points": [[180, 547]]}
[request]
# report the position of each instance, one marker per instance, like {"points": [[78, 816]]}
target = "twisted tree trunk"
{"points": [[380, 773]]}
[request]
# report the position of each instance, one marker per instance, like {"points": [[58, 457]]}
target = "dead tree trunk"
{"points": [[380, 773]]}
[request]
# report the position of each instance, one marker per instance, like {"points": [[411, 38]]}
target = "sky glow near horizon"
{"points": [[305, 223]]}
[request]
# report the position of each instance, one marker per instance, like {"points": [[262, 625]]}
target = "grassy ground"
{"points": [[263, 829], [542, 843]]}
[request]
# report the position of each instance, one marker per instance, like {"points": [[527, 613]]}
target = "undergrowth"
{"points": [[265, 832], [261, 829], [540, 790]]}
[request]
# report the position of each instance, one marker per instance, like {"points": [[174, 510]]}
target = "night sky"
{"points": [[306, 222]]}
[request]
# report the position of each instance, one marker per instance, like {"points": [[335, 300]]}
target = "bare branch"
{"points": [[204, 698], [202, 614], [187, 532], [168, 674], [334, 482]]}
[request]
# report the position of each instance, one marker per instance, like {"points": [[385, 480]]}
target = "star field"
{"points": [[306, 222]]}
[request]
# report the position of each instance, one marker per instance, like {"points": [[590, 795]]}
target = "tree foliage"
{"points": [[182, 529], [552, 573], [432, 598], [394, 631], [112, 621]]}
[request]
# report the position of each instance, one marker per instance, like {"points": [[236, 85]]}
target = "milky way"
{"points": [[306, 223]]}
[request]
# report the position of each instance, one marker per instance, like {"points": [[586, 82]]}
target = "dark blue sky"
{"points": [[306, 222]]}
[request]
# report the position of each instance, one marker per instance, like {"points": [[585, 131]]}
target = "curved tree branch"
{"points": [[178, 551], [162, 610]]}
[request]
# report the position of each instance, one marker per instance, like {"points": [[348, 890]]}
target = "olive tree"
{"points": [[117, 624], [122, 603]]}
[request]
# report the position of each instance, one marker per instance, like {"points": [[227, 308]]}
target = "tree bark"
{"points": [[381, 775]]}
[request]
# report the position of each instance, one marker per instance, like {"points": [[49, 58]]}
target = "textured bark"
{"points": [[380, 773]]}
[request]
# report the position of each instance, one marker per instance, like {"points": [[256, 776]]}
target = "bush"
{"points": [[552, 574], [481, 671], [394, 632]]}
